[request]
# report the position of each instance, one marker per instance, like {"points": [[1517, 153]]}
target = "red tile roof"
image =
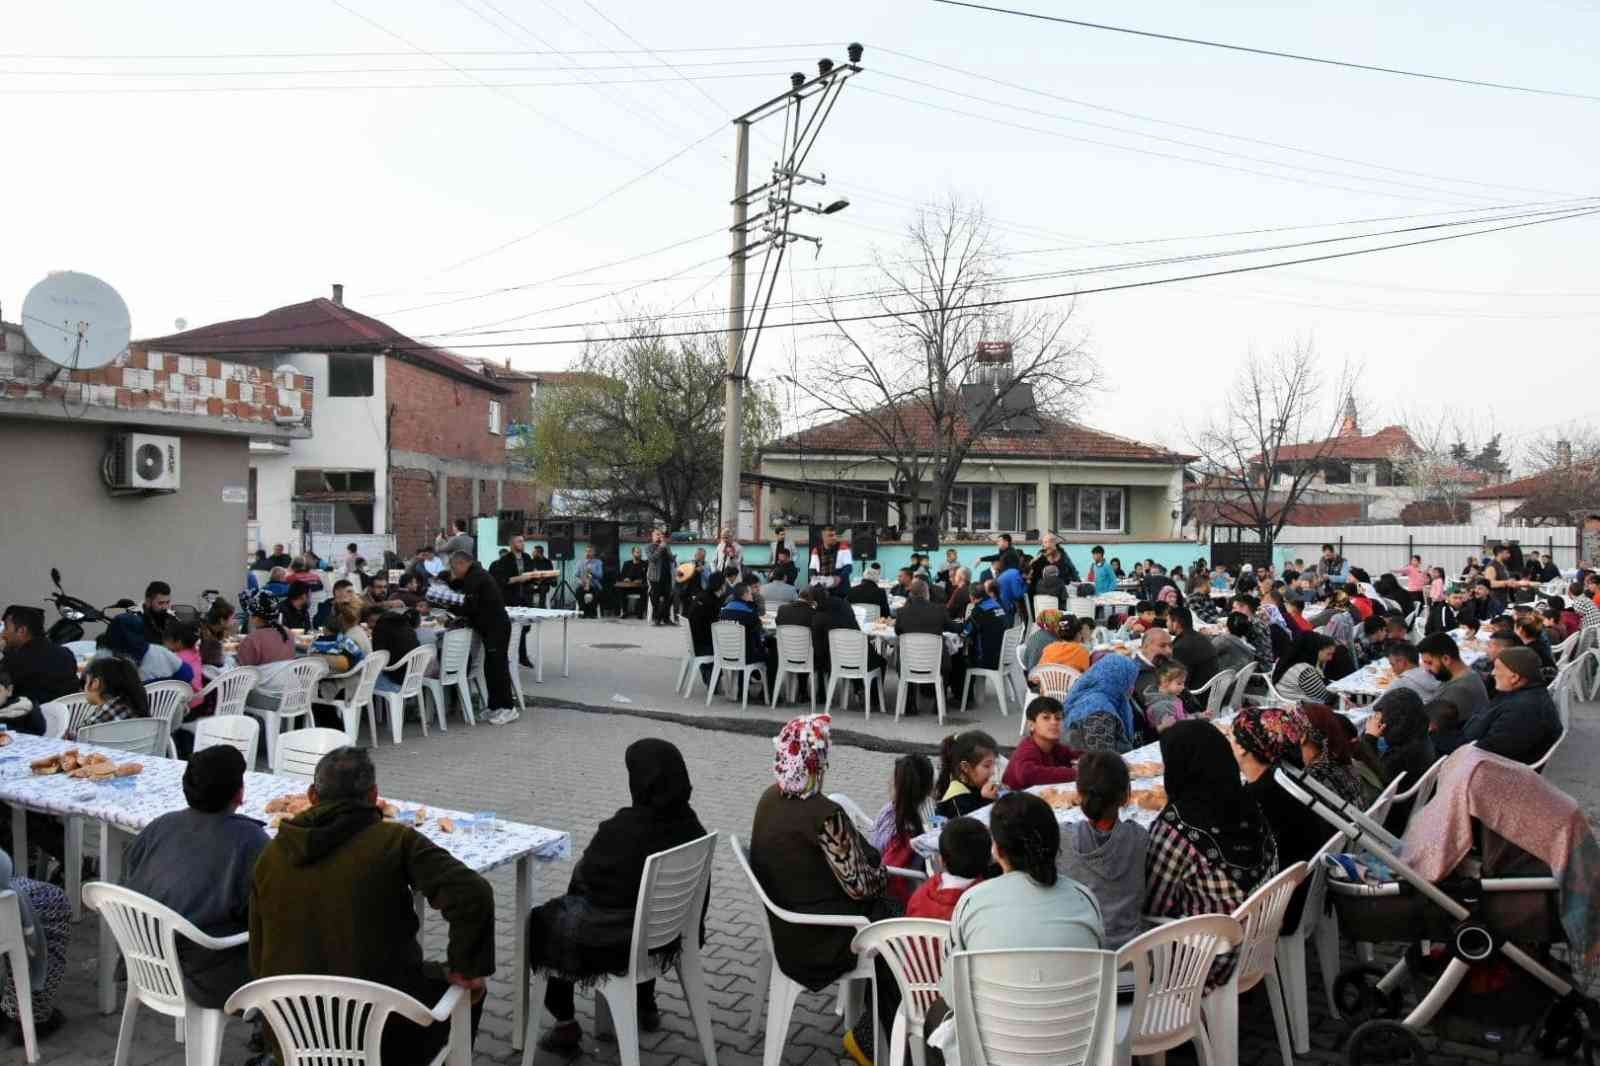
{"points": [[1380, 445], [317, 326], [1555, 479], [1059, 441]]}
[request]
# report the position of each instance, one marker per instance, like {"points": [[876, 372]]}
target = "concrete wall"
{"points": [[58, 513]]}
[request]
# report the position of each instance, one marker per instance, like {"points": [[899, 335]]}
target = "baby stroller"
{"points": [[1496, 877]]}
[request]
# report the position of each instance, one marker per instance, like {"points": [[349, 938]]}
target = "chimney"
{"points": [[508, 362], [1563, 453], [338, 294], [1350, 426]]}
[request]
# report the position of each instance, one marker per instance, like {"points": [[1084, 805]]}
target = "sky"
{"points": [[526, 164]]}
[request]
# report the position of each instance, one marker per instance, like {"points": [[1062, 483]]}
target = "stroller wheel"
{"points": [[1572, 1031], [1360, 999], [1388, 1042]]}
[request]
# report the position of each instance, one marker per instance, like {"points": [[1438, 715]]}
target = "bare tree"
{"points": [[926, 385], [1568, 460], [1441, 472], [1278, 426]]}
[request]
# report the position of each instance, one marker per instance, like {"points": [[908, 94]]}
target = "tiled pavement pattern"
{"points": [[563, 767]]}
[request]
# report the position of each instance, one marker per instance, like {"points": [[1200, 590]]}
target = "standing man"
{"points": [[515, 573], [473, 595], [1052, 554], [729, 554], [831, 563], [1100, 572], [658, 571], [1005, 557], [460, 540]]}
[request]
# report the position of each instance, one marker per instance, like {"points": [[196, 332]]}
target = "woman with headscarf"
{"points": [[46, 933], [1396, 741], [1099, 709], [1210, 847], [588, 933], [1265, 738], [810, 858], [1043, 635], [1327, 751], [1298, 676]]}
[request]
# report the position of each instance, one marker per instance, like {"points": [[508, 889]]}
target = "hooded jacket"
{"points": [[332, 895], [1111, 865], [1519, 725]]}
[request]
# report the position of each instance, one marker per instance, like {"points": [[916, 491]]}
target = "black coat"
{"points": [[921, 616], [831, 613], [1442, 618], [40, 671], [869, 593], [1519, 725], [503, 570], [704, 607], [1197, 653], [485, 609]]}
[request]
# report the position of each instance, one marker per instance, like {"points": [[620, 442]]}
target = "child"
{"points": [[1105, 853], [966, 773], [964, 851], [183, 640], [1041, 758], [1166, 706], [900, 821], [1444, 725]]}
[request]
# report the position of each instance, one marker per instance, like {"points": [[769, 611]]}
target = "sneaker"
{"points": [[502, 716]]}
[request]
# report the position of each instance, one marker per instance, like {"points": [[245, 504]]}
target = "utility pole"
{"points": [[800, 133]]}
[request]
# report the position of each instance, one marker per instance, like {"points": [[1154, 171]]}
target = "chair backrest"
{"points": [[146, 934], [416, 661], [1170, 966], [137, 736], [455, 654], [1241, 681], [867, 613], [371, 667], [1380, 806], [1048, 1005], [1009, 645], [1217, 689], [672, 893], [69, 710], [56, 716], [1421, 791], [920, 655], [1055, 680], [794, 646], [300, 684], [914, 950], [742, 857], [727, 643], [847, 649], [169, 699], [334, 1020], [235, 730], [1562, 651], [298, 751], [1080, 606], [1043, 603], [853, 809], [1262, 918], [231, 687]]}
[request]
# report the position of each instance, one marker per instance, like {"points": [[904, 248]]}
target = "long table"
{"points": [[536, 617], [159, 790]]}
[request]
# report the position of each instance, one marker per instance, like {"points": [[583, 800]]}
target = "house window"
{"points": [[252, 514], [341, 500], [991, 508], [1090, 509], [494, 416], [848, 510], [349, 375], [1335, 472]]}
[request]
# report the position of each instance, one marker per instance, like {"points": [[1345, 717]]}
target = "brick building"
{"points": [[408, 436]]}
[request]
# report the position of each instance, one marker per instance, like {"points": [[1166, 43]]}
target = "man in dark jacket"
{"points": [[658, 569], [475, 596], [986, 627], [40, 671], [1482, 607], [740, 608], [1521, 721], [1190, 648], [920, 615], [332, 895], [1446, 616], [514, 573], [868, 593], [832, 613]]}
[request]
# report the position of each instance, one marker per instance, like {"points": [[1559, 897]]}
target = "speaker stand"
{"points": [[562, 589]]}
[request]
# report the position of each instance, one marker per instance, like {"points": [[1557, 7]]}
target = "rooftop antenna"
{"points": [[76, 321]]}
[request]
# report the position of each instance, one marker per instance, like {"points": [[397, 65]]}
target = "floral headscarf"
{"points": [[802, 755], [263, 605], [1271, 734], [1168, 595], [1050, 619]]}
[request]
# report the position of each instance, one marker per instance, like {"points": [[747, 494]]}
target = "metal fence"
{"points": [[1379, 548]]}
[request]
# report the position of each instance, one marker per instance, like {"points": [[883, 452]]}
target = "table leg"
{"points": [[112, 840], [519, 1014], [538, 652], [566, 651], [19, 836]]}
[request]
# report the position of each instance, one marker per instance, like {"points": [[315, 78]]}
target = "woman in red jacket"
{"points": [[1041, 758]]}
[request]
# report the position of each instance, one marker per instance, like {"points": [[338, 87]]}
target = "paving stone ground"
{"points": [[561, 766]]}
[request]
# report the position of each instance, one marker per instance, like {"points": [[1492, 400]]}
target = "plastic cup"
{"points": [[486, 821], [406, 818]]}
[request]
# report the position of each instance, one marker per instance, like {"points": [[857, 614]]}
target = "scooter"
{"points": [[76, 613]]}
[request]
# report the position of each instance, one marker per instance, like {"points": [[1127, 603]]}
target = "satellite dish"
{"points": [[180, 324], [76, 320]]}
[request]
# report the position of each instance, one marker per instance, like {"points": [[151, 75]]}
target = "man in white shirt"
{"points": [[830, 564]]}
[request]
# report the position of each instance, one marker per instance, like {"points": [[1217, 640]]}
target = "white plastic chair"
{"points": [[137, 736], [82, 649], [235, 730], [299, 750], [147, 934], [415, 684], [913, 949], [672, 894], [365, 675], [294, 702], [340, 1020], [14, 950], [1054, 680], [514, 663], [779, 990], [1000, 677], [1262, 918], [727, 647], [867, 613], [921, 663], [1241, 681], [231, 687], [455, 671], [69, 710], [795, 659], [1044, 1005], [1042, 603], [689, 668], [169, 699], [1170, 965], [1215, 691], [1080, 606], [848, 661]]}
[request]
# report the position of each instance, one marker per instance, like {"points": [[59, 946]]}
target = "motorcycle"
{"points": [[76, 613]]}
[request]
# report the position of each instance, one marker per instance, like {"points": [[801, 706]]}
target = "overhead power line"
{"points": [[437, 52], [1274, 53], [185, 90], [297, 71]]}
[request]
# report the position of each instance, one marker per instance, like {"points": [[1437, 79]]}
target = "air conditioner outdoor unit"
{"points": [[143, 461]]}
